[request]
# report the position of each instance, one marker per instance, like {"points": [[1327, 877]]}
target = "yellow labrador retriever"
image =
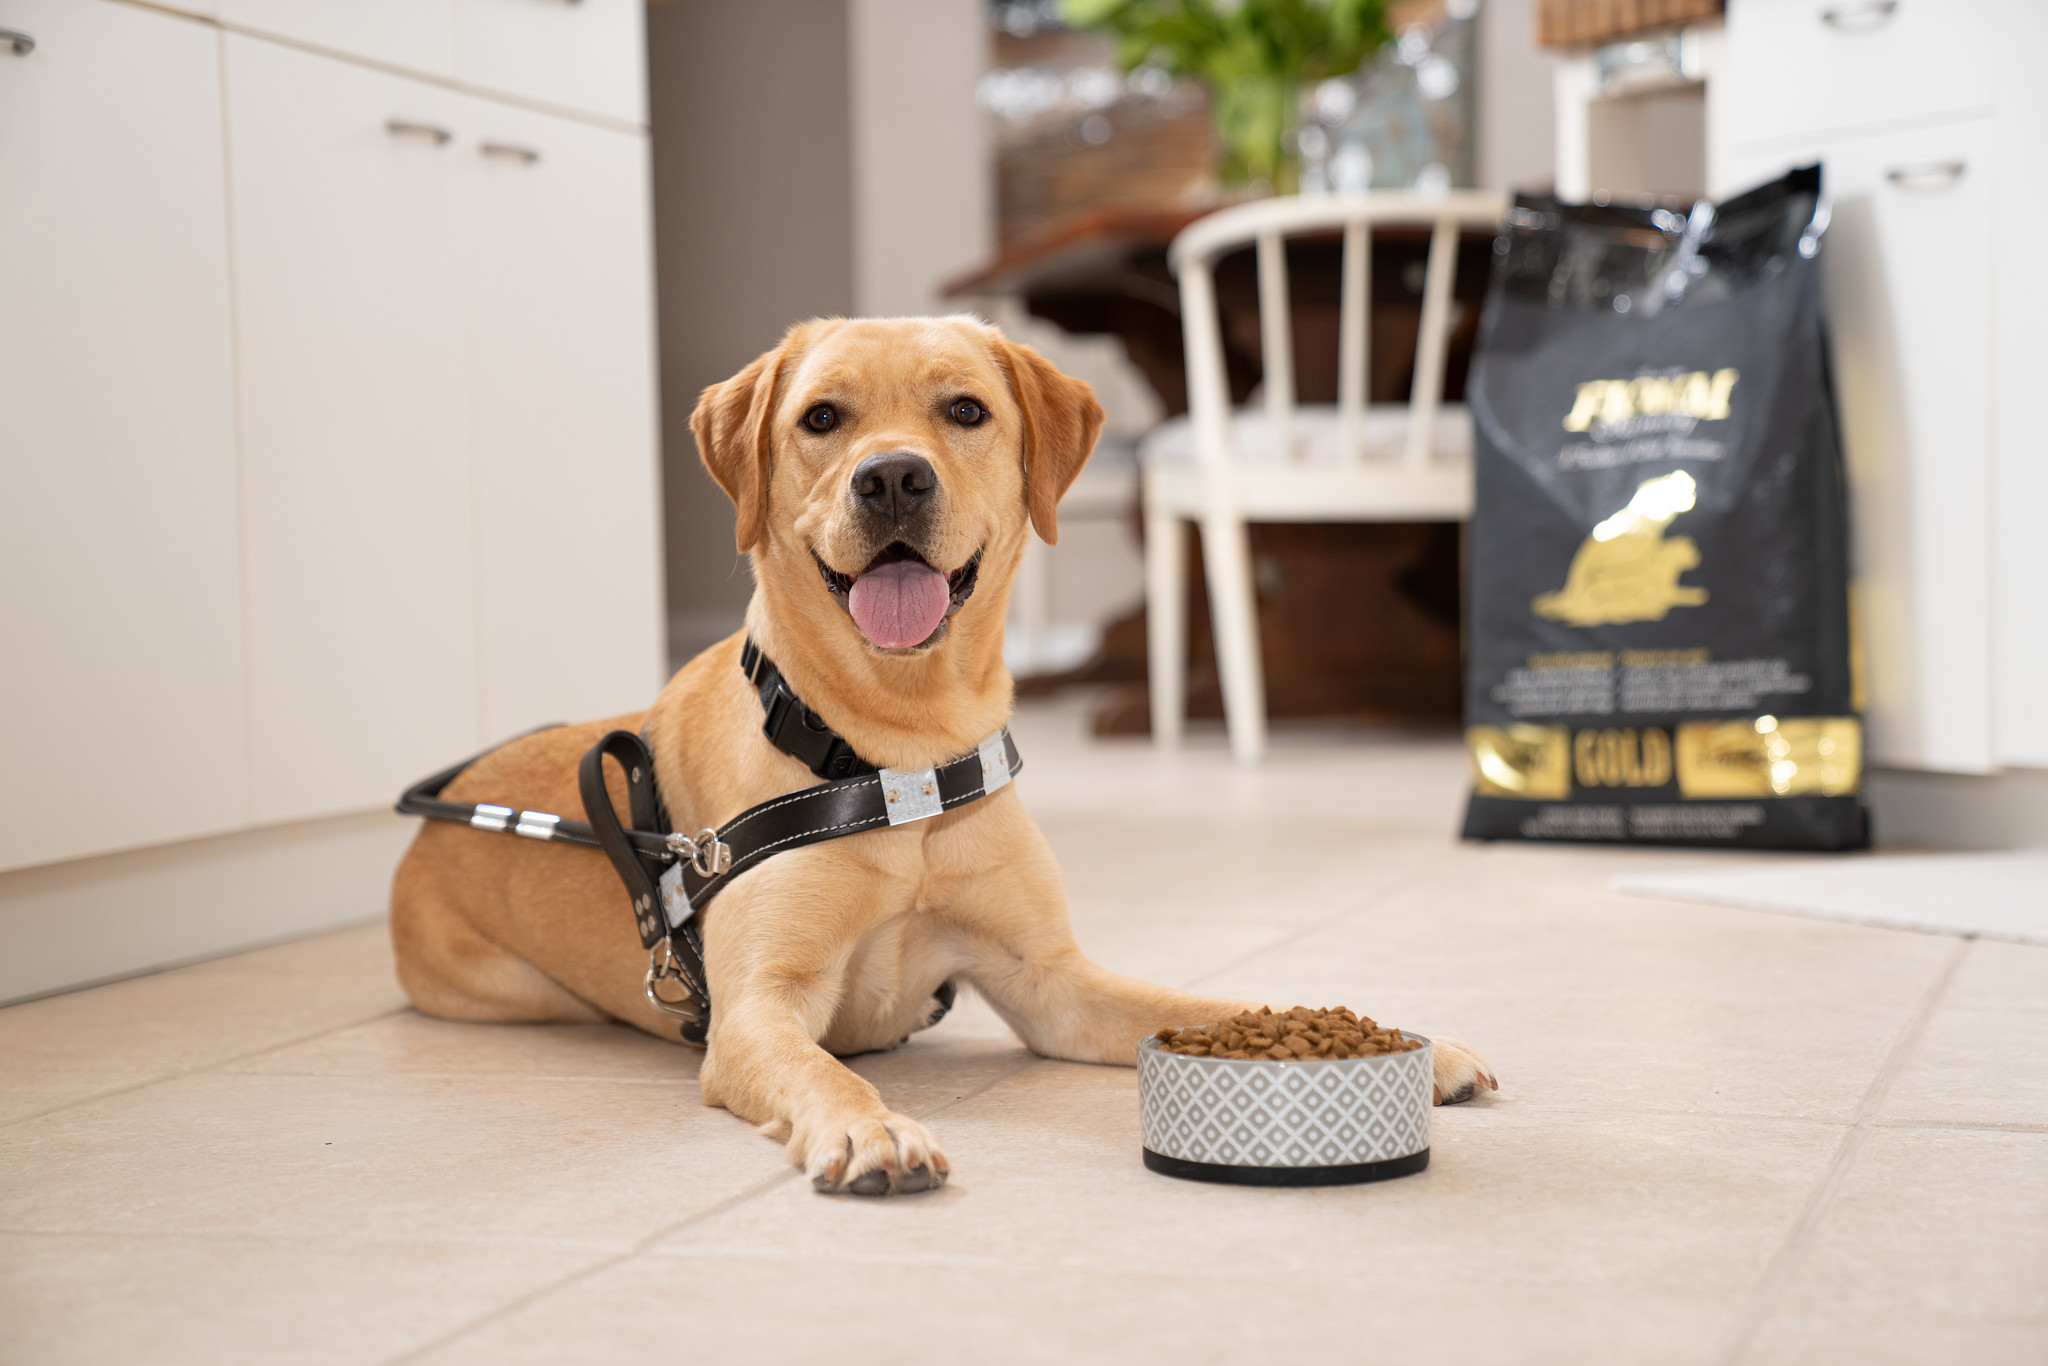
{"points": [[886, 475]]}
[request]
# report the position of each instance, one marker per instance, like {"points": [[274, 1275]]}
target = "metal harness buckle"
{"points": [[663, 966], [707, 853]]}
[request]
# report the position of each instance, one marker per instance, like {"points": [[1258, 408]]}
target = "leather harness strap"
{"points": [[670, 877]]}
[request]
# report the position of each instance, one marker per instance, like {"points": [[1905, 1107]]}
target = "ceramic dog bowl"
{"points": [[1257, 1122]]}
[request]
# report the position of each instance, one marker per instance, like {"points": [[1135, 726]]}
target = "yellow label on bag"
{"points": [[1534, 762], [1792, 756]]}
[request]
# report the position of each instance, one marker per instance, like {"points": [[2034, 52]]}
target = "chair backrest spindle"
{"points": [[1432, 341], [1276, 340], [1208, 381], [1354, 338]]}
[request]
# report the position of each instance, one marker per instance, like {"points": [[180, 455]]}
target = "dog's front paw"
{"points": [[875, 1155], [1460, 1072]]}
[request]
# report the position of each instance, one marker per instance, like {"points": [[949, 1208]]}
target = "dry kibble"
{"points": [[1288, 1035]]}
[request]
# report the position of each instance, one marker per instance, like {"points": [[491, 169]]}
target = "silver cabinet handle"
{"points": [[1927, 173], [509, 151], [22, 43], [1858, 13], [406, 128]]}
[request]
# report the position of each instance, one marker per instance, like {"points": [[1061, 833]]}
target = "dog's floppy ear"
{"points": [[731, 425], [1061, 421]]}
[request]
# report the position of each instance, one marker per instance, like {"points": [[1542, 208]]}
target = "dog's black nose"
{"points": [[894, 485]]}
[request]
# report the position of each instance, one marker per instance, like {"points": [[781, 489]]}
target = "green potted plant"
{"points": [[1254, 55]]}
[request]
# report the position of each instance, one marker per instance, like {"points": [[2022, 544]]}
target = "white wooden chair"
{"points": [[1354, 462]]}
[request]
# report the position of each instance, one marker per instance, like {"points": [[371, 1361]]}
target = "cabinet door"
{"points": [[121, 717], [2020, 351], [1908, 272], [1801, 68], [362, 642], [582, 54], [568, 496], [415, 34]]}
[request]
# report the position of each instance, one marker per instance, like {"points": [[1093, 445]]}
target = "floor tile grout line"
{"points": [[344, 1240], [280, 1046], [214, 1066], [157, 1080], [1770, 1289], [478, 1076], [1968, 1126], [1355, 908], [584, 1273], [661, 1235]]}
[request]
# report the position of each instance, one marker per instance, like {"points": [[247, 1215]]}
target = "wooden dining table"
{"points": [[1356, 620]]}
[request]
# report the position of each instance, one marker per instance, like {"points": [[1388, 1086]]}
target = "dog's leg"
{"points": [[776, 992], [1460, 1072], [450, 970], [1025, 963], [1062, 1005]]}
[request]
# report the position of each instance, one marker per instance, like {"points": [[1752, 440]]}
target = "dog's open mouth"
{"points": [[899, 601]]}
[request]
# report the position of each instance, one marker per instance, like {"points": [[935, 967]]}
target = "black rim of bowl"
{"points": [[1347, 1175]]}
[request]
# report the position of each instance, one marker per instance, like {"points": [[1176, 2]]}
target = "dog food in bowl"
{"points": [[1268, 1099], [1289, 1036]]}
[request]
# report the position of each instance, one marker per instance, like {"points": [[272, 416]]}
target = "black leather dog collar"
{"points": [[794, 728]]}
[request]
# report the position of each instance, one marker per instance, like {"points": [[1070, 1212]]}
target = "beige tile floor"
{"points": [[1722, 1136]]}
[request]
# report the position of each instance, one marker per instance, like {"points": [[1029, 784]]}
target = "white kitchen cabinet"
{"points": [[565, 485], [121, 662], [1909, 298], [2019, 352], [326, 417], [355, 427], [581, 54], [1800, 68], [418, 35]]}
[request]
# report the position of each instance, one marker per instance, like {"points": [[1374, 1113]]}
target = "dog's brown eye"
{"points": [[967, 412], [822, 418]]}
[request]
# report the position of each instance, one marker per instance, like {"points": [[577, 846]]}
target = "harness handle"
{"points": [[680, 950]]}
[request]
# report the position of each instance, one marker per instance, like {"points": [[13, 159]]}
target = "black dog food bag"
{"points": [[1660, 647]]}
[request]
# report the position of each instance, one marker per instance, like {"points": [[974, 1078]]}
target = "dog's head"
{"points": [[886, 473]]}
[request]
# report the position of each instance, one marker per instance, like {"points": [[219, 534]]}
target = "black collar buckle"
{"points": [[794, 728]]}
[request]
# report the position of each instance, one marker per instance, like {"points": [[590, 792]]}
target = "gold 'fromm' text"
{"points": [[1622, 757], [1611, 402]]}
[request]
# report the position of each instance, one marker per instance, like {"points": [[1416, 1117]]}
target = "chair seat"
{"points": [[1320, 484]]}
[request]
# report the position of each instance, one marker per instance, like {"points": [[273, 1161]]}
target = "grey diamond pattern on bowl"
{"points": [[1331, 1112]]}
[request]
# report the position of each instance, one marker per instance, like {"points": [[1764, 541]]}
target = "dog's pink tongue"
{"points": [[899, 604]]}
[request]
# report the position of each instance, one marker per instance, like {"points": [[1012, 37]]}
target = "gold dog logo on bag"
{"points": [[1626, 570]]}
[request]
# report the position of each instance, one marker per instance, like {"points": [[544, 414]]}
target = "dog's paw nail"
{"points": [[823, 1184], [1436, 1095], [874, 1182]]}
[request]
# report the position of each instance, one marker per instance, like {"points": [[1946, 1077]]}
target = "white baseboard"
{"points": [[2007, 810], [69, 925]]}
